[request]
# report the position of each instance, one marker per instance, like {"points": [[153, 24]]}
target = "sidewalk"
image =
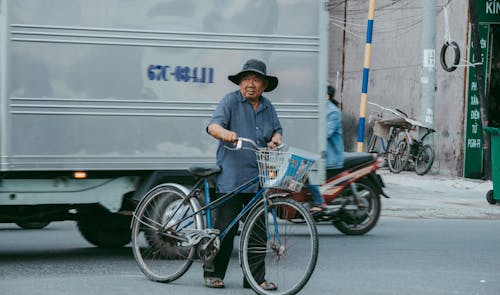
{"points": [[436, 196]]}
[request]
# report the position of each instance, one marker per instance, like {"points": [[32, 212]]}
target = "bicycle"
{"points": [[171, 230], [383, 133], [413, 152], [401, 148]]}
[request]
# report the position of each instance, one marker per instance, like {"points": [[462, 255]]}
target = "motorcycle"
{"points": [[352, 196]]}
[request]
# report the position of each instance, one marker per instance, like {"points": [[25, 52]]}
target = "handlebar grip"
{"points": [[240, 141]]}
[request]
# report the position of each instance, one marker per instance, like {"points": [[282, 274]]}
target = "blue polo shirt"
{"points": [[235, 113]]}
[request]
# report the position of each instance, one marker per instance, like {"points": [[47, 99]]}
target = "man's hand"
{"points": [[228, 136], [275, 141], [221, 133]]}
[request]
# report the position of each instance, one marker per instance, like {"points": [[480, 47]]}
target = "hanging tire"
{"points": [[456, 60]]}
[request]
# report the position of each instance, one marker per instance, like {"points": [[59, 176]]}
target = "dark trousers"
{"points": [[223, 216]]}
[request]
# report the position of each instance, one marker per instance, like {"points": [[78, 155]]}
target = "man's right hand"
{"points": [[229, 136], [221, 133]]}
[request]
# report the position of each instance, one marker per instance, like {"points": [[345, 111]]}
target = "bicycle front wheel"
{"points": [[159, 243], [424, 160], [284, 252], [398, 155]]}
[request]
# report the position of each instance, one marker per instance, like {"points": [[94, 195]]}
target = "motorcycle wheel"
{"points": [[363, 219]]}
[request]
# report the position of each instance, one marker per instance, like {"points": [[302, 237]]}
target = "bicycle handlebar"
{"points": [[241, 140], [396, 112]]}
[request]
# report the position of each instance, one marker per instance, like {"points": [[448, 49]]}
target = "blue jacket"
{"points": [[334, 141]]}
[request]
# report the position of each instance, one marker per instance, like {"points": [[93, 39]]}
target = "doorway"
{"points": [[493, 82]]}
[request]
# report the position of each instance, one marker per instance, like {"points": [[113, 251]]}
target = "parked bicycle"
{"points": [[397, 140], [382, 131], [171, 230], [411, 152]]}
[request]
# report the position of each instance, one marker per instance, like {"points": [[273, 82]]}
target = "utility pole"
{"points": [[366, 72], [428, 78]]}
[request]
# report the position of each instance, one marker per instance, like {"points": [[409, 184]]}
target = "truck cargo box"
{"points": [[100, 100]]}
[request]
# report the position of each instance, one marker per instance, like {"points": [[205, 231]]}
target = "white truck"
{"points": [[100, 100]]}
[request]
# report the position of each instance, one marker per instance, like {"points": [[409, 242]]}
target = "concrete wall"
{"points": [[396, 62]]}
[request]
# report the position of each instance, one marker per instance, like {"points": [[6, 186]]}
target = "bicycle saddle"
{"points": [[204, 171]]}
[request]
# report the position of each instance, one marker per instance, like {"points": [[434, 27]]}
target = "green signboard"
{"points": [[488, 11], [473, 133]]}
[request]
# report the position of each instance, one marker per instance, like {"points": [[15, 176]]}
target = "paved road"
{"points": [[437, 235], [400, 256]]}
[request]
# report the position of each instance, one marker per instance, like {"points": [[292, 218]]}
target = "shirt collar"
{"points": [[262, 101]]}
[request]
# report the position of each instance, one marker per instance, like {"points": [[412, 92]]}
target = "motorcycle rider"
{"points": [[334, 149]]}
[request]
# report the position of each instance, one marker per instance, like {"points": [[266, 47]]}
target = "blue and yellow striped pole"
{"points": [[366, 72]]}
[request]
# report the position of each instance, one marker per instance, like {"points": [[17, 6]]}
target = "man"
{"points": [[242, 113]]}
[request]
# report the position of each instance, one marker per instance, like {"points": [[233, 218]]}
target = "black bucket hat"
{"points": [[259, 67]]}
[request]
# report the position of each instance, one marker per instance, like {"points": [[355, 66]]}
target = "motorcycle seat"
{"points": [[351, 160], [354, 159]]}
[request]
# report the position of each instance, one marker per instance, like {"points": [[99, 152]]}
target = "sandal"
{"points": [[317, 209], [267, 286], [214, 282]]}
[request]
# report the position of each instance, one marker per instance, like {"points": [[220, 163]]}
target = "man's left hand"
{"points": [[275, 141]]}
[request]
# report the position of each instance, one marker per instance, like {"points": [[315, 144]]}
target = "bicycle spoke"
{"points": [[291, 247], [161, 250]]}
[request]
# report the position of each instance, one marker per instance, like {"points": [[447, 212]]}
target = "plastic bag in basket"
{"points": [[294, 170]]}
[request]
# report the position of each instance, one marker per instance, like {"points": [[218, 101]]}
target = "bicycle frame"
{"points": [[174, 223], [210, 205], [385, 134]]}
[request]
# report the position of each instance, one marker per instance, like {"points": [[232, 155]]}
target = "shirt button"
{"points": [[257, 128]]}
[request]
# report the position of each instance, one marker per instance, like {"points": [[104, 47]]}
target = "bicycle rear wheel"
{"points": [[424, 160], [372, 138], [288, 256], [160, 247]]}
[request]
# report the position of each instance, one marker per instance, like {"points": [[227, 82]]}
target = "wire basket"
{"points": [[284, 170]]}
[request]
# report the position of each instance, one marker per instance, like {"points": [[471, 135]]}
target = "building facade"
{"points": [[396, 72]]}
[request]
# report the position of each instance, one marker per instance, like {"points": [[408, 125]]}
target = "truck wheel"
{"points": [[32, 225], [105, 229]]}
